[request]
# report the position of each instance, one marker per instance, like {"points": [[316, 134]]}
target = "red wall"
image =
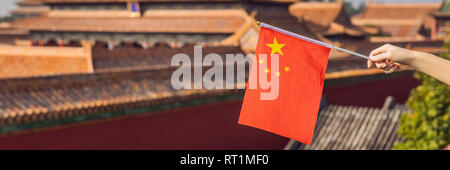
{"points": [[206, 127], [211, 126], [372, 93]]}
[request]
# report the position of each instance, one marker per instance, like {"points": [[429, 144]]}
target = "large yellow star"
{"points": [[287, 69], [276, 48]]}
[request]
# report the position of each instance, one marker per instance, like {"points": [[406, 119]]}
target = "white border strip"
{"points": [[310, 40]]}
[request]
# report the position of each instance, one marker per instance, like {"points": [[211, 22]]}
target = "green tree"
{"points": [[348, 7], [427, 125]]}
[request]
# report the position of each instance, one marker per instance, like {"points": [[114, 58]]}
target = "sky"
{"points": [[7, 5]]}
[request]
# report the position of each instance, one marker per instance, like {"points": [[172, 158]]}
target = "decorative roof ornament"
{"points": [[133, 8]]}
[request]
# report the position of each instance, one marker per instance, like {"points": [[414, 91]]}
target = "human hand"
{"points": [[388, 57]]}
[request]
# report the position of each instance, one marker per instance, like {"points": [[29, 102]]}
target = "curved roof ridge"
{"points": [[100, 1], [320, 13]]}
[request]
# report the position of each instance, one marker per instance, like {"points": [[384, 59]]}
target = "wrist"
{"points": [[415, 58], [410, 57]]}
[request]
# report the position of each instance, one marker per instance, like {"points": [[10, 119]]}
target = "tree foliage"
{"points": [[348, 6], [427, 125]]}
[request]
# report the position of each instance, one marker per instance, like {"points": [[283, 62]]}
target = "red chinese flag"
{"points": [[301, 73]]}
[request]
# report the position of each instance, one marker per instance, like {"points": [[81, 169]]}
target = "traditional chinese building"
{"points": [[440, 25], [122, 98], [10, 35], [147, 22], [328, 20], [128, 102], [29, 8], [355, 128], [403, 21], [26, 9]]}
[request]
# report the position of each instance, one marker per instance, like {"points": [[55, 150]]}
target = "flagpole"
{"points": [[310, 39]]}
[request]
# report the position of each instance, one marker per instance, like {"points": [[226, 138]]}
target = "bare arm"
{"points": [[430, 64]]}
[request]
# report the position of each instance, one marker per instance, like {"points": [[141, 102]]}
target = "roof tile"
{"points": [[356, 128]]}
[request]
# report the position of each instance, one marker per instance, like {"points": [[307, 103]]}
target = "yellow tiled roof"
{"points": [[190, 22]]}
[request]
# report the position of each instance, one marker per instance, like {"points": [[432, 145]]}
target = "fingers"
{"points": [[379, 50], [379, 60], [381, 64], [382, 56], [382, 59], [392, 69], [386, 64], [369, 63]]}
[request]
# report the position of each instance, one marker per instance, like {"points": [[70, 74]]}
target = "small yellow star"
{"points": [[261, 61], [287, 69], [267, 70], [278, 74], [276, 48]]}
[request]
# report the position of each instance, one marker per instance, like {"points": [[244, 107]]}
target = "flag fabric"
{"points": [[301, 73]]}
